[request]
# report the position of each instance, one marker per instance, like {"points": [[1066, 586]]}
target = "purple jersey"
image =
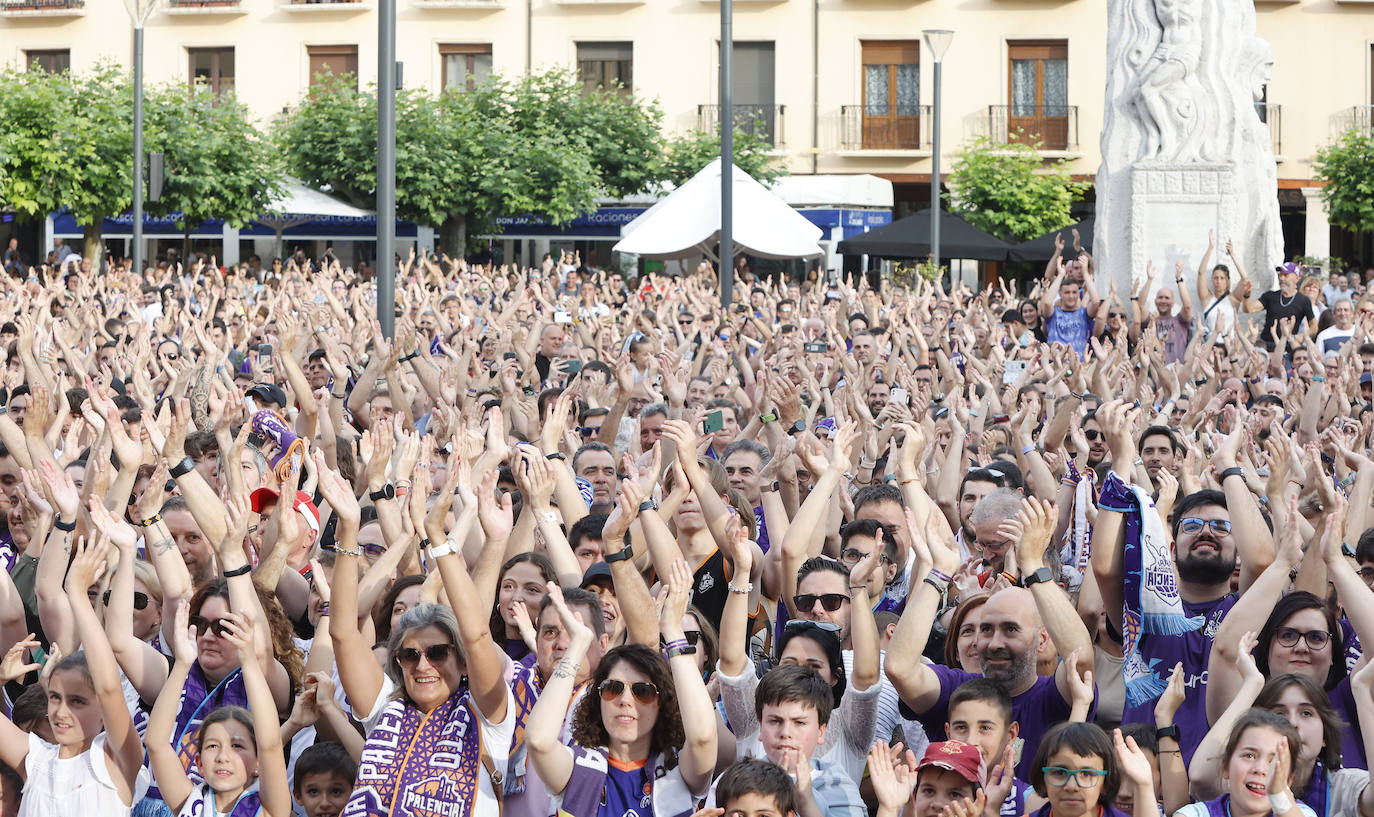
{"points": [[1161, 652], [1036, 710]]}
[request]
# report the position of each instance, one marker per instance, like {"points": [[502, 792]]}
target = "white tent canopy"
{"points": [[687, 222], [300, 204]]}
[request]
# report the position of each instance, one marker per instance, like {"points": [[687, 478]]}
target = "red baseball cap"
{"points": [[963, 759], [263, 497]]}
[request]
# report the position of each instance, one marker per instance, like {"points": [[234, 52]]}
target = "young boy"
{"points": [[754, 788], [980, 714], [325, 774]]}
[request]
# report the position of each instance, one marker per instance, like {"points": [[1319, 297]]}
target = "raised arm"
{"points": [[1036, 520], [552, 760], [636, 605], [698, 714], [142, 663], [1204, 772], [274, 789], [1204, 292], [936, 561], [170, 775]]}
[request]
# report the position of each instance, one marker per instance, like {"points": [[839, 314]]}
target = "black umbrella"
{"points": [[1042, 248], [910, 238]]}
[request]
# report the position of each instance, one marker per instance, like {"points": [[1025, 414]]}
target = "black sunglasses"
{"points": [[140, 600], [613, 688], [435, 654], [205, 626], [830, 602], [1092, 434], [588, 431]]}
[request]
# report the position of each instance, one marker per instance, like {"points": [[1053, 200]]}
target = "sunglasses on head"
{"points": [[205, 626], [140, 600], [830, 602], [435, 654], [1191, 524], [613, 688]]}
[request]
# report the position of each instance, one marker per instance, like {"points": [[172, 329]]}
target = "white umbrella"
{"points": [[687, 222], [299, 204]]}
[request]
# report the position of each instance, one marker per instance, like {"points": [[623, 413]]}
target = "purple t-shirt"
{"points": [[1352, 739], [1015, 804], [1072, 327], [1036, 710], [1161, 652]]}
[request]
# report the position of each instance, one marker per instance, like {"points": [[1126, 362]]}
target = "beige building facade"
{"points": [[840, 86]]}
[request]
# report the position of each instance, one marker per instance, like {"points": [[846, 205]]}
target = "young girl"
{"points": [[95, 768], [1079, 770], [240, 754], [1257, 772]]}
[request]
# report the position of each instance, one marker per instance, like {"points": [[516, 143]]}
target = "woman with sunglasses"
{"points": [[1301, 633], [625, 758], [439, 717]]}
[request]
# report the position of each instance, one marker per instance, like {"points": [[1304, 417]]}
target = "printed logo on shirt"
{"points": [[432, 797], [706, 583]]}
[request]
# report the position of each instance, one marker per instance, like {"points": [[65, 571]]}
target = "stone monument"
{"points": [[1183, 147]]}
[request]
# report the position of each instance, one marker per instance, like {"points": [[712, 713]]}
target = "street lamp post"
{"points": [[139, 11], [727, 154], [937, 41], [386, 166]]}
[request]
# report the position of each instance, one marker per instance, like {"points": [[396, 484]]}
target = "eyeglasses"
{"points": [[1191, 524], [1367, 573], [1121, 315], [435, 654], [852, 556], [140, 600], [1058, 776], [1288, 637], [1092, 435], [205, 626], [830, 602], [588, 431], [685, 321], [374, 550], [613, 688]]}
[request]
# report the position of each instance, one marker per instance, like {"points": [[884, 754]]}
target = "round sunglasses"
{"points": [[435, 654], [643, 691]]}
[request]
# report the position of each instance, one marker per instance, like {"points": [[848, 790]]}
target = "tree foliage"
{"points": [[1010, 192], [67, 142], [1347, 167], [535, 145], [687, 154], [217, 164]]}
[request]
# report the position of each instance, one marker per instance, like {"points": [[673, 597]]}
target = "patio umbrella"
{"points": [[299, 204], [1042, 248], [910, 238]]}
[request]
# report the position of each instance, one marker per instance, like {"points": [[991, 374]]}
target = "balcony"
{"points": [[205, 7], [42, 8], [1272, 117], [326, 5], [459, 4], [877, 129], [760, 120], [1359, 117], [1048, 127]]}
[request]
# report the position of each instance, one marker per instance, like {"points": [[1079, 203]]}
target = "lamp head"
{"points": [[937, 40]]}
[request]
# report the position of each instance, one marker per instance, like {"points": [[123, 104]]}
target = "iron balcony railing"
{"points": [[760, 120], [40, 5], [1051, 127], [885, 127]]}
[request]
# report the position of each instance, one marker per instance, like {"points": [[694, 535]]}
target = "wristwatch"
{"points": [[444, 548], [387, 491], [622, 555], [1042, 574], [182, 468], [797, 428], [1170, 731]]}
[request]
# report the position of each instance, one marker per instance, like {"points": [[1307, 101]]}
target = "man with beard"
{"points": [[1015, 623], [1097, 440], [1160, 450], [1211, 531]]}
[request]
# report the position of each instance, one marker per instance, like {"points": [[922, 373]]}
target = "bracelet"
{"points": [[324, 609], [673, 652], [424, 543], [337, 396], [854, 588], [150, 521], [557, 455], [1233, 471], [742, 591], [65, 527], [942, 587], [909, 480], [306, 573], [1028, 449], [676, 642], [242, 570], [357, 551], [940, 574], [1316, 379]]}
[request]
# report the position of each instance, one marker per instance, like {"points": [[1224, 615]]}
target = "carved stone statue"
{"points": [[1183, 147]]}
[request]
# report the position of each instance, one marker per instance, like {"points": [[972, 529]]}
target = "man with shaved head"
{"points": [[1016, 622]]}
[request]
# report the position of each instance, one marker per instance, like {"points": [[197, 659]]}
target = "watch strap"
{"points": [[444, 548], [1170, 731], [623, 555], [387, 491], [182, 468], [1041, 574]]}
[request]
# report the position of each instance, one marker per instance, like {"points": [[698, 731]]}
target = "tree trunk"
{"points": [[453, 236], [94, 247]]}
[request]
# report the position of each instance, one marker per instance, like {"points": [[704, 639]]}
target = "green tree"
{"points": [[1010, 192], [533, 145], [688, 153], [218, 165], [67, 142], [1347, 167]]}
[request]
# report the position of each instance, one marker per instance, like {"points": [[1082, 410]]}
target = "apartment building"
{"points": [[838, 86]]}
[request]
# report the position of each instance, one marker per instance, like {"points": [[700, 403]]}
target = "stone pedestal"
{"points": [[1171, 206]]}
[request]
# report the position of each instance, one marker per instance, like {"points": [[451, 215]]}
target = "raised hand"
{"points": [[87, 566], [891, 778], [1172, 698], [238, 630], [1132, 762], [13, 667]]}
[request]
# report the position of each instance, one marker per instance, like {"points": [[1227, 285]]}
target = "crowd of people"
{"points": [[574, 543]]}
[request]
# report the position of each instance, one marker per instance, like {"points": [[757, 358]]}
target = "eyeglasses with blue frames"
{"points": [[1191, 524], [1058, 776]]}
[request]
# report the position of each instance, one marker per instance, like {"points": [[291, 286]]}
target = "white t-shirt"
{"points": [[67, 787]]}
